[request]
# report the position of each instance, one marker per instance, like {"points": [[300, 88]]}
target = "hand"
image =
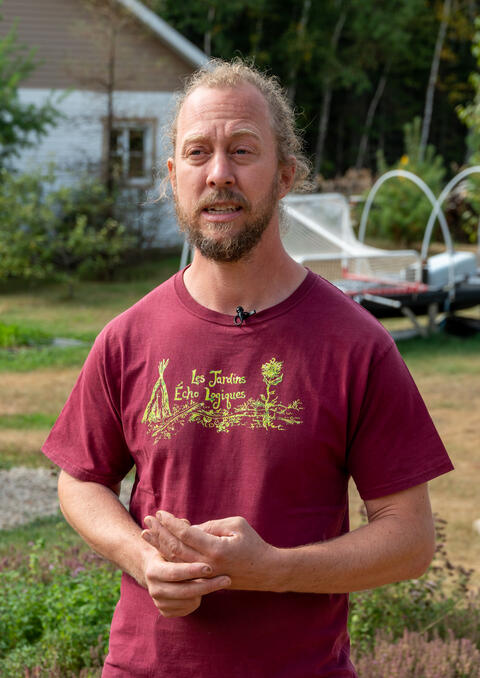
{"points": [[230, 546], [177, 588]]}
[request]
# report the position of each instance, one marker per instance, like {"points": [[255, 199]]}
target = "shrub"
{"points": [[63, 232], [440, 601], [400, 211], [415, 656], [55, 611]]}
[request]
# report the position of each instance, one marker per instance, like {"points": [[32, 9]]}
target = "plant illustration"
{"points": [[265, 411]]}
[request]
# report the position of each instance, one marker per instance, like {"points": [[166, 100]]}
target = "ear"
{"points": [[286, 173], [171, 172]]}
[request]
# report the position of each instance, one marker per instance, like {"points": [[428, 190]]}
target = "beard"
{"points": [[231, 247]]}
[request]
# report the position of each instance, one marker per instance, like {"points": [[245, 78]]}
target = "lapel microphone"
{"points": [[242, 315]]}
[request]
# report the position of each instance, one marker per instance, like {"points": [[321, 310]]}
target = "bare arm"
{"points": [[397, 543], [97, 514]]}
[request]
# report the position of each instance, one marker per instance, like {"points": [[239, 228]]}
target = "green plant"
{"points": [[63, 232], [13, 336], [55, 611], [401, 210], [438, 602]]}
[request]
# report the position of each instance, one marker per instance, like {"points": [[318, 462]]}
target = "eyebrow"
{"points": [[196, 138]]}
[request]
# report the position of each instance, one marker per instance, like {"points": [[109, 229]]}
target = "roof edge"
{"points": [[173, 38]]}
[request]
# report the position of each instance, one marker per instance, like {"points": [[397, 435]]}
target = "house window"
{"points": [[131, 149]]}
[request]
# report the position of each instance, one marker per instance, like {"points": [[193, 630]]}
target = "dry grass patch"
{"points": [[43, 391], [22, 448]]}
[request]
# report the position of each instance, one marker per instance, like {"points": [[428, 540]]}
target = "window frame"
{"points": [[149, 154]]}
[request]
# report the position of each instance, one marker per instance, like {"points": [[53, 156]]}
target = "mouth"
{"points": [[222, 209]]}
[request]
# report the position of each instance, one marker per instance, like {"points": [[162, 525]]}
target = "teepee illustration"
{"points": [[155, 410]]}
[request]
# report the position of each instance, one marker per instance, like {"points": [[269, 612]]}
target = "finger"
{"points": [[189, 535], [170, 547], [177, 572], [190, 589], [177, 608]]}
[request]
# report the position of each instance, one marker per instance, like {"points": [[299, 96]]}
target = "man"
{"points": [[244, 427]]}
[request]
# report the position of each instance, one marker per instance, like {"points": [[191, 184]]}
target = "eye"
{"points": [[196, 153], [242, 152]]}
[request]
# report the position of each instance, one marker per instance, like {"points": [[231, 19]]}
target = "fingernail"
{"points": [[146, 535], [159, 516], [225, 581], [207, 569]]}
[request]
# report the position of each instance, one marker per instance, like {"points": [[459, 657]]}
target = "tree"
{"points": [[356, 70], [470, 115], [327, 84], [383, 38], [104, 29], [21, 124], [427, 114]]}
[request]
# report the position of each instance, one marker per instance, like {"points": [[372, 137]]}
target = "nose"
{"points": [[220, 172]]}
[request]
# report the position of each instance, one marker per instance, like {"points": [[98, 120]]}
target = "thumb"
{"points": [[218, 528]]}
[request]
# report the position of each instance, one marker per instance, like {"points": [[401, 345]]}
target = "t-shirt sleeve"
{"points": [[87, 441], [395, 444]]}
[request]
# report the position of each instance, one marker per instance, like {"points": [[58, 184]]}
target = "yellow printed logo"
{"points": [[218, 401]]}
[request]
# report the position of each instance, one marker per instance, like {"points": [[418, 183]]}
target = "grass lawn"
{"points": [[36, 381]]}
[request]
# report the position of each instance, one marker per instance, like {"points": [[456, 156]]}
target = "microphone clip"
{"points": [[242, 315]]}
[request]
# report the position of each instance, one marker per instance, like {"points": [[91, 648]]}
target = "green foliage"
{"points": [[470, 116], [63, 232], [13, 336], [21, 124], [440, 601], [401, 210], [55, 611], [295, 42]]}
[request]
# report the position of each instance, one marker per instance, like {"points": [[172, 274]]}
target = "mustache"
{"points": [[222, 195]]}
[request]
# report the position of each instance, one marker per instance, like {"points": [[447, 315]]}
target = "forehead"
{"points": [[210, 110]]}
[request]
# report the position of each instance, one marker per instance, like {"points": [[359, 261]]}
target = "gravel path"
{"points": [[29, 493]]}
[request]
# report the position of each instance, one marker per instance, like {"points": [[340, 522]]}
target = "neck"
{"points": [[265, 277]]}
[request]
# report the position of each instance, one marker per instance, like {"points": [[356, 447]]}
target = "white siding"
{"points": [[75, 145]]}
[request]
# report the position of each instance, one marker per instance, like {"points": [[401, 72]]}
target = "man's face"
{"points": [[225, 174]]}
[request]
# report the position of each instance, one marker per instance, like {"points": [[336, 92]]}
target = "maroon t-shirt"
{"points": [[267, 420]]}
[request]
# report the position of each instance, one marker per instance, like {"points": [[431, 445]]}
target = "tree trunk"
{"points": [[302, 26], [322, 128], [427, 114], [207, 38], [362, 148], [258, 36], [340, 143], [327, 98], [110, 179]]}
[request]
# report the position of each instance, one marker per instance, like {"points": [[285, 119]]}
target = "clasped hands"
{"points": [[194, 560]]}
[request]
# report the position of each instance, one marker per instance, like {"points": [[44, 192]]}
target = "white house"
{"points": [[112, 68]]}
